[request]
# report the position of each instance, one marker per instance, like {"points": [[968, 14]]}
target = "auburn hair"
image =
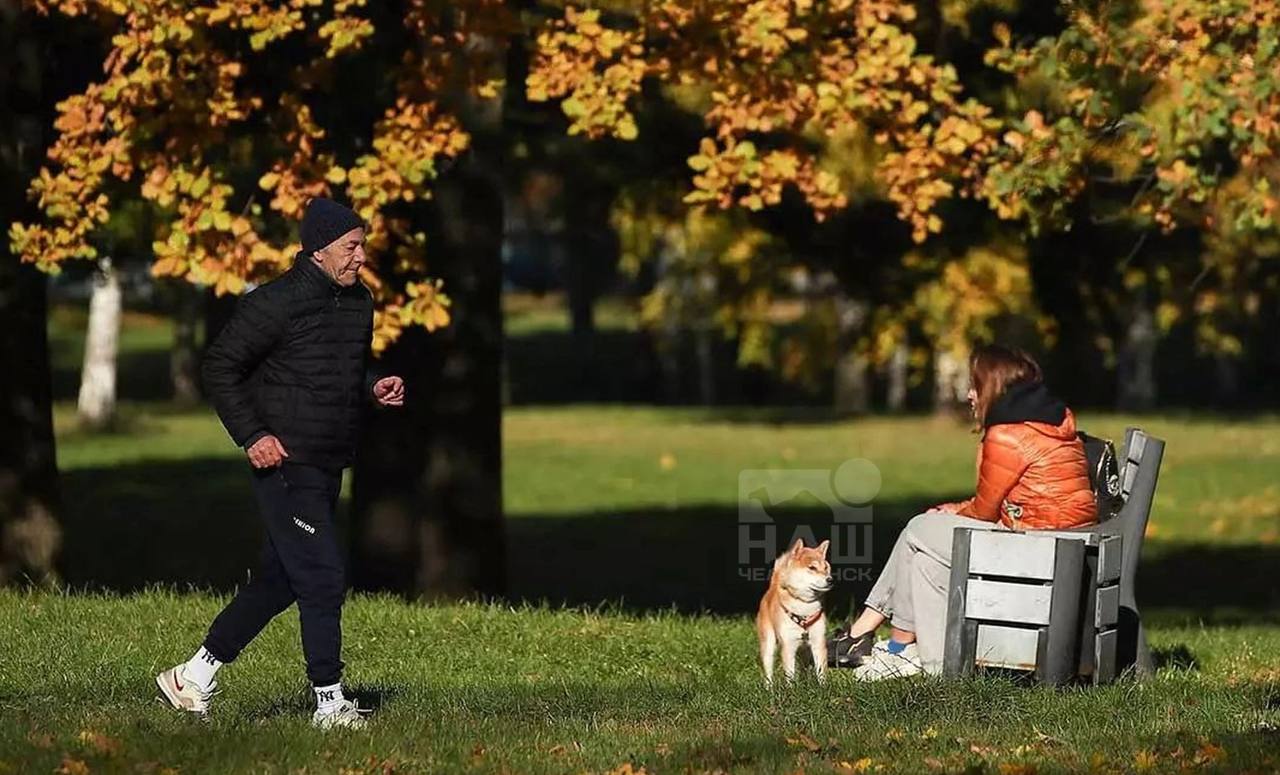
{"points": [[993, 369]]}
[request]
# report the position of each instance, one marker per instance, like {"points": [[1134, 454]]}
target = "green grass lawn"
{"points": [[628, 516], [545, 689]]}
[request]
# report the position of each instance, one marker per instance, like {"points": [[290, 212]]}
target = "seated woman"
{"points": [[1032, 475]]}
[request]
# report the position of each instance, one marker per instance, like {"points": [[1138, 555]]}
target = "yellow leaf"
{"points": [[169, 266], [72, 766], [699, 163], [268, 181], [336, 175]]}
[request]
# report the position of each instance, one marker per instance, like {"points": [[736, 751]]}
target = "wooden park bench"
{"points": [[1059, 603]]}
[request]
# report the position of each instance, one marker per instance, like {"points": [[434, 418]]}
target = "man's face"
{"points": [[342, 258]]}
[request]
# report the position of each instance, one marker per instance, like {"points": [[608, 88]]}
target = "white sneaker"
{"points": [[883, 664], [346, 716], [183, 694]]}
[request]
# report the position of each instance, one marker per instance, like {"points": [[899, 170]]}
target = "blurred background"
{"points": [[632, 306]]}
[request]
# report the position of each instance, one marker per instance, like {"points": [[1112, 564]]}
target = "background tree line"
{"points": [[837, 196]]}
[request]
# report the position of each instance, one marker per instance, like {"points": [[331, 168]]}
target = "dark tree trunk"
{"points": [[1136, 365], [31, 57], [427, 494], [1226, 380], [704, 340], [591, 253], [852, 388], [29, 531], [184, 371]]}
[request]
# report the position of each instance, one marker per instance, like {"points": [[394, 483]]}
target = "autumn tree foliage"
{"points": [[1157, 116], [212, 113], [775, 80]]}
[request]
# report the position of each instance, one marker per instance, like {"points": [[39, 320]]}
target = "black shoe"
{"points": [[844, 650]]}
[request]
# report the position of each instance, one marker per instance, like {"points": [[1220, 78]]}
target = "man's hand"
{"points": [[389, 391], [267, 452]]}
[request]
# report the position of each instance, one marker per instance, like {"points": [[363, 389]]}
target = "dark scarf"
{"points": [[1026, 402]]}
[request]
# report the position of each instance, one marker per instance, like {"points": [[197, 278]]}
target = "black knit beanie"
{"points": [[324, 221]]}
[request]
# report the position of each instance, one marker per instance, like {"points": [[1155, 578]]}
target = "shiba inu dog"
{"points": [[791, 609]]}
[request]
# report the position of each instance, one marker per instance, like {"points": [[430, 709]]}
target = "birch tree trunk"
{"points": [[97, 403], [897, 368], [950, 380]]}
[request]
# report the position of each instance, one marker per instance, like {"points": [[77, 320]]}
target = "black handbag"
{"points": [[1104, 474]]}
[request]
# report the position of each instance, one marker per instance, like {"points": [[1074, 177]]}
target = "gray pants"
{"points": [[912, 589]]}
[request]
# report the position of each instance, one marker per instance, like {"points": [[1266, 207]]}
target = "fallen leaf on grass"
{"points": [[862, 765], [99, 743], [1041, 737], [72, 767], [1145, 760], [626, 769], [1208, 753], [894, 735], [804, 741], [1011, 768]]}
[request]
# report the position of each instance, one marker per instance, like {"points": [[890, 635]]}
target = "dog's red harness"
{"points": [[804, 622]]}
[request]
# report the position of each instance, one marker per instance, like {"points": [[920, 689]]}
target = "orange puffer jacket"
{"points": [[1032, 475]]}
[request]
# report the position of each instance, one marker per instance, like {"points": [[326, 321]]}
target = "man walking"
{"points": [[288, 377]]}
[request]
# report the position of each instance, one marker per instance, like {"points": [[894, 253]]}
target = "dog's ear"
{"points": [[823, 547], [796, 547]]}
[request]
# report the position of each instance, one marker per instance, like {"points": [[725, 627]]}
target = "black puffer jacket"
{"points": [[294, 362]]}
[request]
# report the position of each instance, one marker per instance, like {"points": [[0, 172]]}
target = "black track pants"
{"points": [[300, 562]]}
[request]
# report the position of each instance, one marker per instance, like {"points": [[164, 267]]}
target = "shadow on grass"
{"points": [[1177, 657], [688, 559], [194, 523], [141, 374], [301, 704], [191, 522]]}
